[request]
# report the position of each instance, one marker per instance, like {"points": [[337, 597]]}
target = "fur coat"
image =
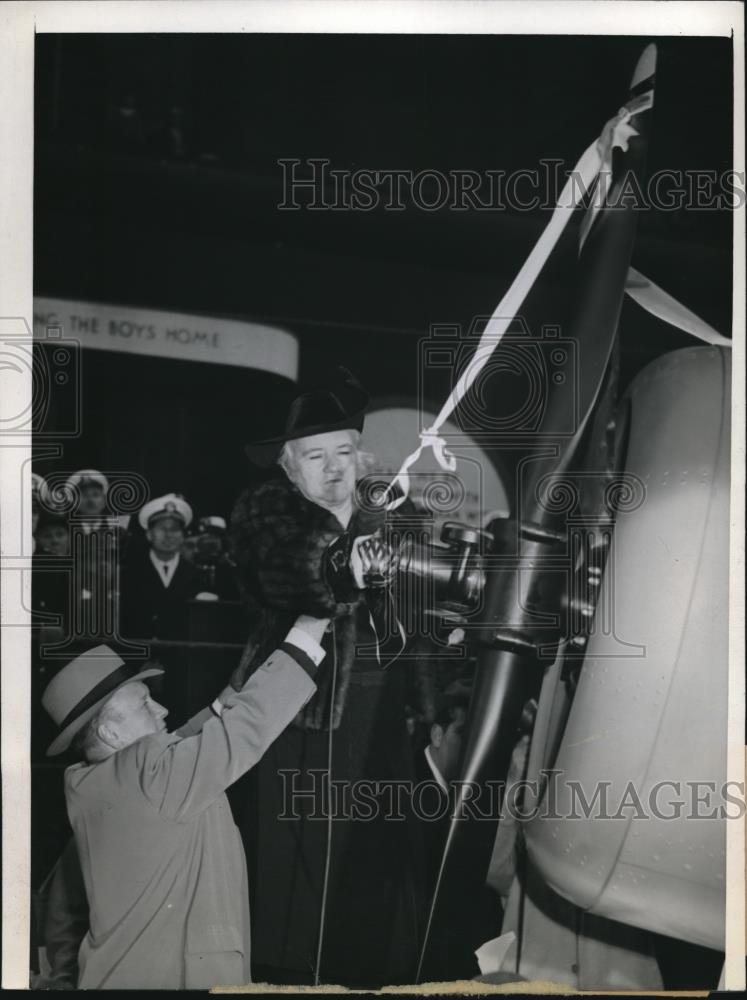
{"points": [[279, 540]]}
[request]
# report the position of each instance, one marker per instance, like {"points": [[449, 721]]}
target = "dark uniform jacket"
{"points": [[148, 609]]}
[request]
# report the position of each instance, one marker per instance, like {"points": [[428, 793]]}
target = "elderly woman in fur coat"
{"points": [[292, 539]]}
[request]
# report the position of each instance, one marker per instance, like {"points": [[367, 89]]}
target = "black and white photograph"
{"points": [[372, 443]]}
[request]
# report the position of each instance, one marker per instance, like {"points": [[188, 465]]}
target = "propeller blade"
{"points": [[508, 672]]}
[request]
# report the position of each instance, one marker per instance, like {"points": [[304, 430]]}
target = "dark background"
{"points": [[125, 213]]}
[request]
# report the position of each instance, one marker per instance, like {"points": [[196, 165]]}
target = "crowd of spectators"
{"points": [[147, 578], [92, 566]]}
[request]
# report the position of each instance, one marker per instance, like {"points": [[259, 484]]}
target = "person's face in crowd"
{"points": [[324, 467], [166, 537], [92, 499], [130, 714], [54, 539], [210, 544], [446, 744]]}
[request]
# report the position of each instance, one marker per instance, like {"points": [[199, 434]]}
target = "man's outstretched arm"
{"points": [[183, 777]]}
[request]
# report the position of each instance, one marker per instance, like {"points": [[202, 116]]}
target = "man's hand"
{"points": [[313, 627]]}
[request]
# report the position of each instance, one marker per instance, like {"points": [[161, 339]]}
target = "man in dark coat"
{"points": [[95, 533], [436, 766], [356, 922], [50, 578], [451, 951], [156, 588]]}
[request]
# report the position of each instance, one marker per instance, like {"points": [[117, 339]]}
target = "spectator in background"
{"points": [[50, 579], [445, 746], [52, 534], [206, 548], [97, 545], [156, 587], [89, 488], [451, 948], [436, 766]]}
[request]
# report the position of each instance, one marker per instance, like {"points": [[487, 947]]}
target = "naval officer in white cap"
{"points": [[89, 490], [95, 534], [156, 587]]}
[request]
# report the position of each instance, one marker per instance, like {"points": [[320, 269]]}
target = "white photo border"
{"points": [[19, 23]]}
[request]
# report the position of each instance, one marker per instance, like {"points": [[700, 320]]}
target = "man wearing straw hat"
{"points": [[161, 857]]}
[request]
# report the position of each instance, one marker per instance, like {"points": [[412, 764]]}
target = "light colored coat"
{"points": [[162, 859]]}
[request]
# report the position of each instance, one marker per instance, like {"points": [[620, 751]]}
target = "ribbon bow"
{"points": [[429, 438]]}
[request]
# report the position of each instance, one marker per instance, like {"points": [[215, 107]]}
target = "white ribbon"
{"points": [[580, 181], [428, 439], [664, 306], [592, 173]]}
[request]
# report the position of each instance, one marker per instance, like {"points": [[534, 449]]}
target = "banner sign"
{"points": [[168, 335]]}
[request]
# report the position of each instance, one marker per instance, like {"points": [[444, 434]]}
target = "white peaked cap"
{"points": [[170, 505], [88, 476]]}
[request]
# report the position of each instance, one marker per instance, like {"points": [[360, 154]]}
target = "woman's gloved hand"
{"points": [[373, 561]]}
